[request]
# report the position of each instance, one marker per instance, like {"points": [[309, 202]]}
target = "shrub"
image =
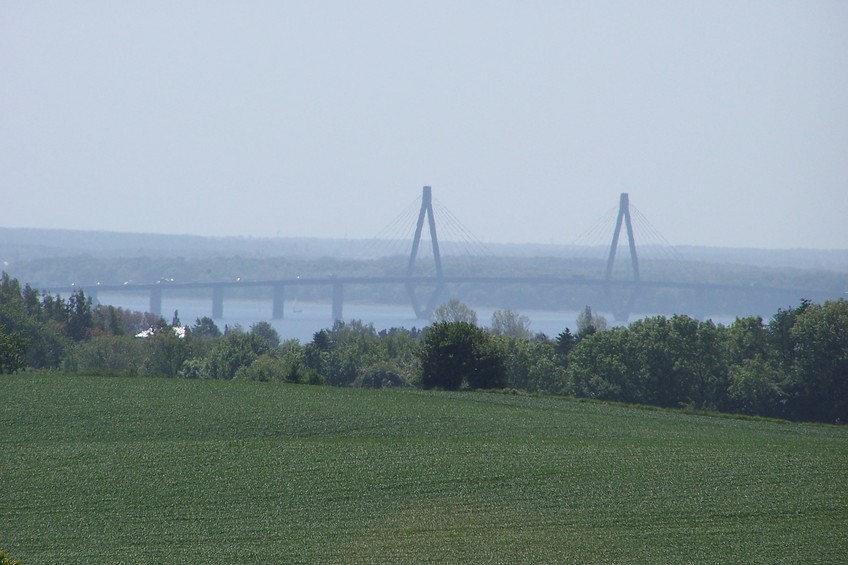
{"points": [[381, 375], [195, 368], [107, 355], [285, 365], [234, 351], [756, 388], [166, 353], [6, 559]]}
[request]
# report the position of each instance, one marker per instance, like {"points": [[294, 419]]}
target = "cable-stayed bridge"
{"points": [[426, 280]]}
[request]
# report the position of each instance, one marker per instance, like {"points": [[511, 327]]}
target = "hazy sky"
{"points": [[726, 121]]}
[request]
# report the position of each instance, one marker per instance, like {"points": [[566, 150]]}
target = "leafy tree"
{"points": [[659, 380], [565, 342], [321, 340], [80, 319], [747, 339], [457, 353], [205, 327], [447, 354], [819, 381], [534, 366], [757, 387], [195, 368], [166, 353], [779, 333], [45, 342], [235, 350], [234, 329], [606, 366], [111, 320], [267, 333], [108, 355], [32, 303], [487, 368], [355, 354], [47, 346], [589, 323], [10, 291], [12, 352], [454, 311], [699, 369], [54, 308], [340, 353], [511, 323], [298, 371], [400, 350], [108, 320], [677, 357], [659, 361], [710, 367]]}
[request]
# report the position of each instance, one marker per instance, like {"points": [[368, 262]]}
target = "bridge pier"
{"points": [[620, 300], [338, 301], [425, 312], [621, 316], [697, 310], [156, 301], [217, 302], [279, 301], [621, 312]]}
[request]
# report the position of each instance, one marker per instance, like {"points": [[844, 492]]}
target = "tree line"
{"points": [[794, 366]]}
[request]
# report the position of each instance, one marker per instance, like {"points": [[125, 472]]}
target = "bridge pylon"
{"points": [[425, 311], [622, 314]]}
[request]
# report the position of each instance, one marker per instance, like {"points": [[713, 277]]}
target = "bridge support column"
{"points": [[217, 302], [697, 309], [156, 301], [622, 308], [425, 312], [621, 312], [623, 214], [338, 301], [279, 302]]}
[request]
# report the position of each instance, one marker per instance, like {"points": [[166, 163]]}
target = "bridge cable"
{"points": [[393, 239], [594, 241], [461, 236], [654, 240]]}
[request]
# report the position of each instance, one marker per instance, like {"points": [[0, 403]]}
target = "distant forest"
{"points": [[55, 258], [25, 244]]}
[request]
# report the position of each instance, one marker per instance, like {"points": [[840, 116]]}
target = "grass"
{"points": [[109, 470]]}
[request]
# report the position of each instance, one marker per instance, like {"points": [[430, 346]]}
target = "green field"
{"points": [[109, 470]]}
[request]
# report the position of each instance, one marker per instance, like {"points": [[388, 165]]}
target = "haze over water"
{"points": [[303, 319]]}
